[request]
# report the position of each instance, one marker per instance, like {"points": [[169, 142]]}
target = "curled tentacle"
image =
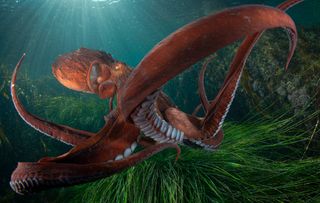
{"points": [[220, 106], [193, 42], [31, 177], [102, 155], [202, 90], [150, 121], [283, 6], [62, 133], [208, 133], [292, 44]]}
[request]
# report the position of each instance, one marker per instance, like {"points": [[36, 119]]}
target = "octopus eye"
{"points": [[94, 72], [92, 76], [97, 74]]}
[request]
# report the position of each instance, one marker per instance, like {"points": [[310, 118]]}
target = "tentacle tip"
{"points": [[286, 67]]}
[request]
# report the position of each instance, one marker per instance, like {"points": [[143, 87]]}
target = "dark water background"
{"points": [[127, 29]]}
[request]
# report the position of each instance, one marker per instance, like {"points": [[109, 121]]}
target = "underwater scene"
{"points": [[159, 101]]}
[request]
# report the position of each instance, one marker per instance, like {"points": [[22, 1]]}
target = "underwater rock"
{"points": [[264, 83], [294, 87], [299, 98]]}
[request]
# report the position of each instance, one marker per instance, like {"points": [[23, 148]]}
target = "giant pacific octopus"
{"points": [[144, 115]]}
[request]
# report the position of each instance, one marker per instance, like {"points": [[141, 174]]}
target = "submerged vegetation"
{"points": [[259, 161]]}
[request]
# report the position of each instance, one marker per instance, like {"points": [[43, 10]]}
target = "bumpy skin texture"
{"points": [[142, 108]]}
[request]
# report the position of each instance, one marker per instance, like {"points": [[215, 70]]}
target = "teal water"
{"points": [[128, 29]]}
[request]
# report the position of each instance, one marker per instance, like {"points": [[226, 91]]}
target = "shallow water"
{"points": [[128, 29]]}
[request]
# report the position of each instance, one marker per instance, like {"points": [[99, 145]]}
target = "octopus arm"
{"points": [[31, 177], [219, 107], [62, 133], [203, 98], [187, 43], [201, 86], [193, 42], [102, 155]]}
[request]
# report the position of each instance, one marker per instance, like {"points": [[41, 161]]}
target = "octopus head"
{"points": [[90, 71]]}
